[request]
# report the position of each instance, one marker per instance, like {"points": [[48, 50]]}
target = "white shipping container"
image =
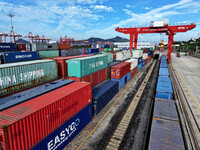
{"points": [[137, 53], [134, 63], [144, 56], [123, 55], [116, 49]]}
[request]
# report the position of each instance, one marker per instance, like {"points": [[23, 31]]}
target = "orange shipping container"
{"points": [[64, 46]]}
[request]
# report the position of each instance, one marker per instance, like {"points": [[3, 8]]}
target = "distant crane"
{"points": [[156, 27]]}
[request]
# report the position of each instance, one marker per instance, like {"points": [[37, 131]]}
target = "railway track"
{"points": [[117, 137], [190, 126]]}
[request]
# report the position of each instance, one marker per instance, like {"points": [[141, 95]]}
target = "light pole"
{"points": [[12, 31]]}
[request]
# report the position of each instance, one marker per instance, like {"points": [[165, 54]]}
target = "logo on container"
{"points": [[63, 136]]}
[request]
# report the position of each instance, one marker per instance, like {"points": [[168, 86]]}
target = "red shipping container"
{"points": [[145, 50], [114, 55], [101, 49], [82, 51], [120, 70], [64, 46], [26, 124], [21, 47], [94, 78], [133, 72], [145, 61]]}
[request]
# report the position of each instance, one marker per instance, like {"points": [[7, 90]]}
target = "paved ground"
{"points": [[188, 68]]}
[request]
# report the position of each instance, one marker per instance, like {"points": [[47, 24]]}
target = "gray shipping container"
{"points": [[71, 52], [22, 75], [43, 46]]}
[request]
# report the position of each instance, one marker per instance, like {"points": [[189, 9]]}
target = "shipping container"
{"points": [[63, 46], [109, 68], [22, 75], [145, 50], [123, 55], [108, 49], [123, 80], [163, 57], [44, 46], [165, 109], [144, 56], [81, 67], [163, 61], [165, 135], [163, 65], [47, 54], [10, 57], [134, 63], [139, 67], [133, 72], [137, 53], [6, 47], [26, 95], [163, 72], [94, 50], [118, 71], [24, 125], [143, 62], [63, 135], [146, 61], [62, 63], [109, 55], [94, 78], [71, 52], [21, 47], [101, 49], [164, 88], [102, 94]]}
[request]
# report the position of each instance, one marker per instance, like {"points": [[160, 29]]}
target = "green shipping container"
{"points": [[108, 49], [80, 67], [22, 75], [110, 56], [47, 54]]}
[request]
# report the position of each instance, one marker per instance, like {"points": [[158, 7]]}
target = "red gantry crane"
{"points": [[156, 27]]}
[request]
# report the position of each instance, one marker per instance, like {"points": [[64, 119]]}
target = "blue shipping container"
{"points": [[164, 72], [10, 57], [143, 62], [139, 60], [24, 96], [123, 80], [94, 50], [6, 47], [163, 65], [102, 94], [151, 53], [163, 61], [139, 66], [165, 135], [88, 51], [163, 57], [165, 109], [59, 139], [164, 88]]}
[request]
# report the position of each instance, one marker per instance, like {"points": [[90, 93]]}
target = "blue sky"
{"points": [[82, 19]]}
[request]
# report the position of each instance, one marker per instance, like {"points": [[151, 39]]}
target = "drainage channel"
{"points": [[117, 137]]}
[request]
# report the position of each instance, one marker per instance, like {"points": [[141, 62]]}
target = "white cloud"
{"points": [[147, 8], [129, 6], [101, 8]]}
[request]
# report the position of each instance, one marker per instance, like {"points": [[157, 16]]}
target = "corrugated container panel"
{"points": [[71, 52], [133, 72], [62, 46], [163, 57], [46, 54], [102, 94], [24, 96], [139, 67], [10, 57], [136, 53], [123, 55], [63, 135], [22, 75], [21, 47], [80, 67], [163, 65], [44, 46], [164, 88], [62, 63], [143, 62], [163, 61], [166, 135], [109, 68], [163, 72], [109, 55], [94, 78], [118, 71], [123, 80], [165, 109], [134, 63], [24, 125], [6, 47]]}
